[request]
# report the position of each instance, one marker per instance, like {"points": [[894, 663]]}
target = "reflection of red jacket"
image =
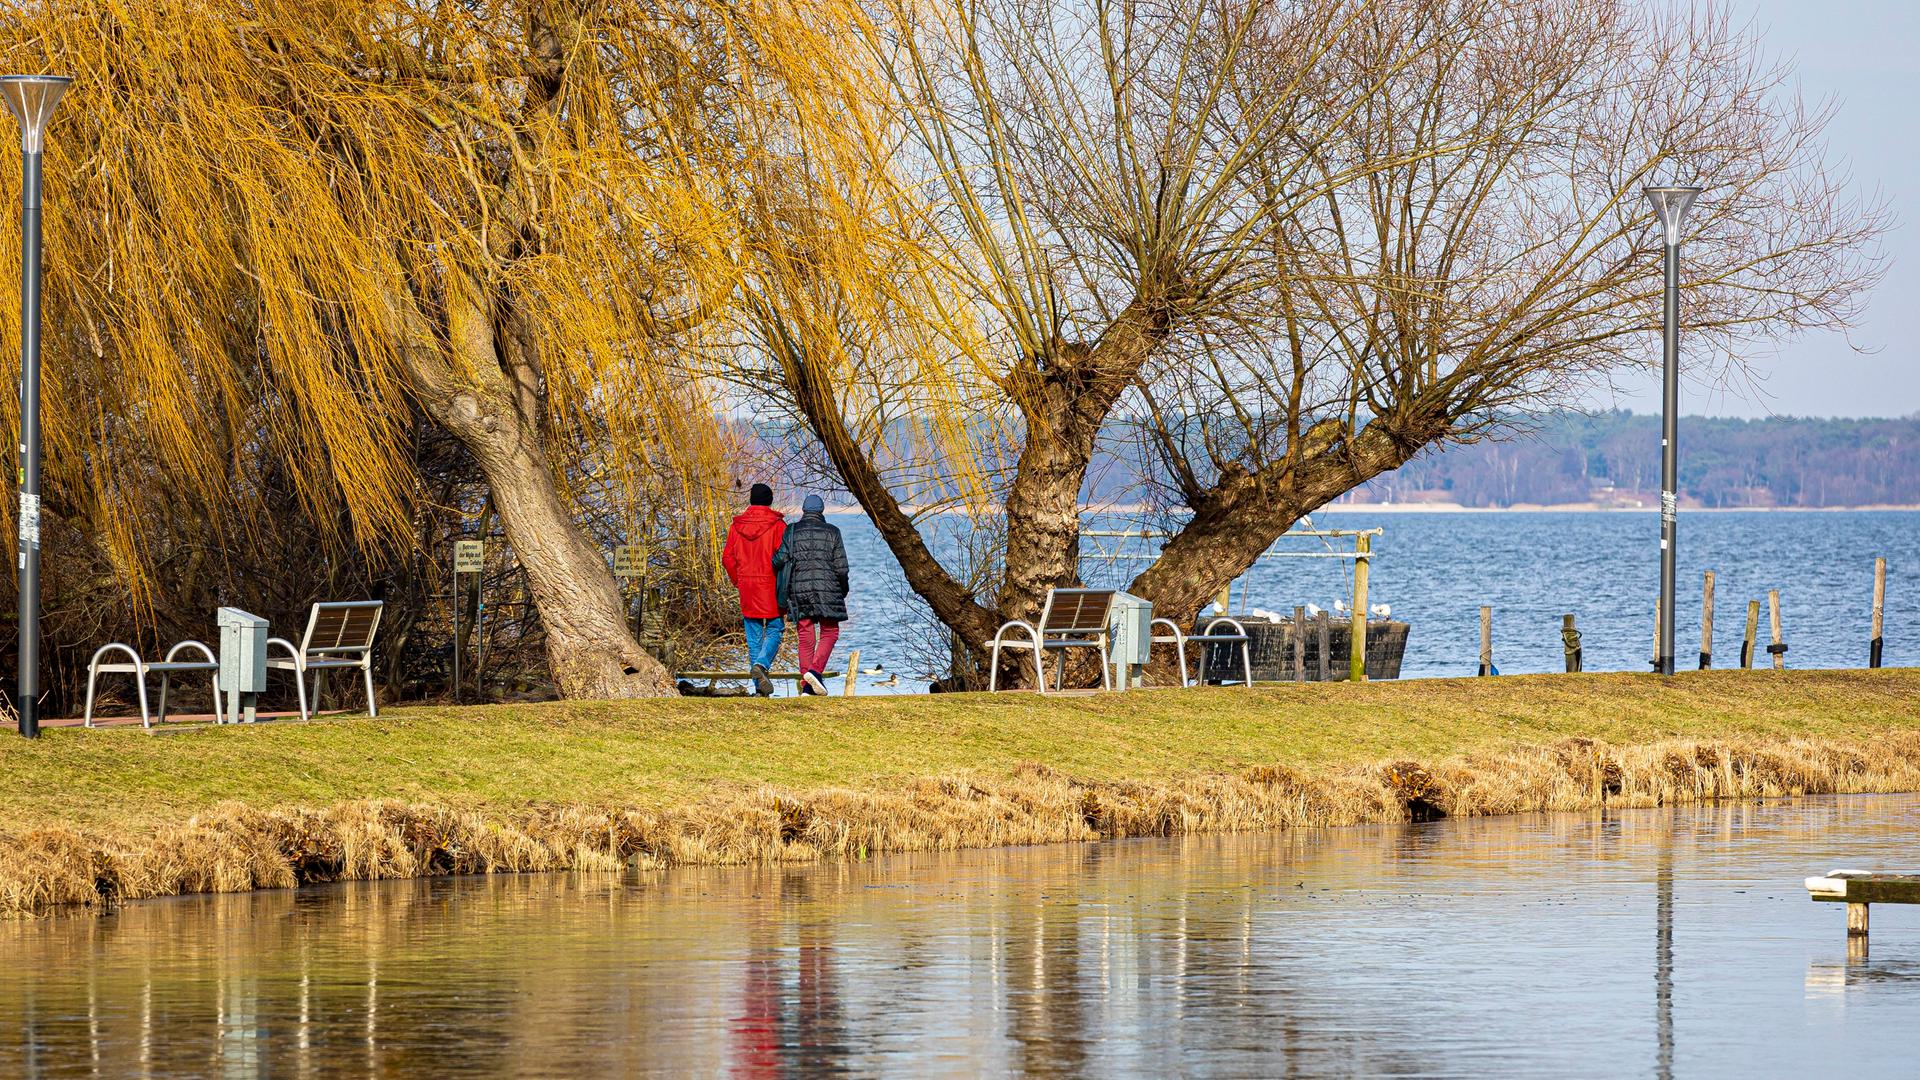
{"points": [[748, 558]]}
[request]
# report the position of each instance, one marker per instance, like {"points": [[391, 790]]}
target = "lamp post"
{"points": [[1670, 205], [31, 99]]}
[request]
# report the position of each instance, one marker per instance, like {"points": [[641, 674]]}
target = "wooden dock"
{"points": [[1858, 888]]}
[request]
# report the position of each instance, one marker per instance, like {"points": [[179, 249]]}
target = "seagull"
{"points": [[1313, 611], [1340, 607], [1381, 610]]}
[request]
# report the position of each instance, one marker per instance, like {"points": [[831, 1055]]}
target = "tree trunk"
{"points": [[495, 414], [590, 651]]}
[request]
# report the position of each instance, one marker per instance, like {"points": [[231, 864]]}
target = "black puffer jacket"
{"points": [[812, 568]]}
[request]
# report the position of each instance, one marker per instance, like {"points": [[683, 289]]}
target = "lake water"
{"points": [[1436, 569], [1638, 943]]}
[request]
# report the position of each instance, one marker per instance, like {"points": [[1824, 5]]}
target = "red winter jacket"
{"points": [[748, 557]]}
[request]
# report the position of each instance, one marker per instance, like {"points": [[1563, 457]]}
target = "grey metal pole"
{"points": [[1670, 206], [1669, 456], [31, 99], [29, 691]]}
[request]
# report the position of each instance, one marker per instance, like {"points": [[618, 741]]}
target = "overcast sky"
{"points": [[1865, 56]]}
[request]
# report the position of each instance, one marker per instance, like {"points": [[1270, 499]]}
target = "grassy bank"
{"points": [[87, 817]]}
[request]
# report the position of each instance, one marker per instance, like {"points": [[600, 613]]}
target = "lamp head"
{"points": [[31, 99], [1670, 206]]}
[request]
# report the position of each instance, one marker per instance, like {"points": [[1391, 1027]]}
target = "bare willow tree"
{"points": [[1287, 246], [280, 230]]}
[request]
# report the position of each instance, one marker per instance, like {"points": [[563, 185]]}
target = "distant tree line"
{"points": [[1571, 457]]}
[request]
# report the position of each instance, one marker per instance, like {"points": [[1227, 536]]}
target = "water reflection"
{"points": [[1506, 945]]}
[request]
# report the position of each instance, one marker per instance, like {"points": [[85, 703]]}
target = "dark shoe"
{"points": [[811, 680], [762, 684]]}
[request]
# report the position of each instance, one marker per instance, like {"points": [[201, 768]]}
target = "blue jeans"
{"points": [[763, 641]]}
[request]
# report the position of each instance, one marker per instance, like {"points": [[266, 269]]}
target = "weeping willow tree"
{"points": [[283, 230], [1283, 247]]}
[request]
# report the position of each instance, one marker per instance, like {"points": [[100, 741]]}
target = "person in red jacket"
{"points": [[748, 558]]}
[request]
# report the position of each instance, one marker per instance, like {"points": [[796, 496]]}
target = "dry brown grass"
{"points": [[236, 847]]}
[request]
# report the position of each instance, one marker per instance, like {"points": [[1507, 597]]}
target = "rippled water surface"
{"points": [[1436, 569], [1633, 943]]}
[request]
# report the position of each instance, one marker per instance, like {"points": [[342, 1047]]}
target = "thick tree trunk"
{"points": [[590, 651], [1242, 515], [494, 412]]}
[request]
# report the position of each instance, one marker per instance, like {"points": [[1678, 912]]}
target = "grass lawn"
{"points": [[654, 754]]}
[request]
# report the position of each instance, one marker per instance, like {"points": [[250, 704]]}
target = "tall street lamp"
{"points": [[31, 99], [1670, 206]]}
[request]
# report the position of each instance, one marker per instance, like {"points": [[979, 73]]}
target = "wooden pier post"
{"points": [[1753, 631], [1656, 635], [1486, 640], [1706, 622], [1879, 610], [1324, 639], [853, 670], [1856, 920], [1357, 645], [1779, 647], [1570, 640], [1299, 644]]}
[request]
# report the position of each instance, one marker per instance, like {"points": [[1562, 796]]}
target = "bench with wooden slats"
{"points": [[1071, 619], [339, 635]]}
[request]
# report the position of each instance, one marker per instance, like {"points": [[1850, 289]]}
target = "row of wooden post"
{"points": [[1570, 635]]}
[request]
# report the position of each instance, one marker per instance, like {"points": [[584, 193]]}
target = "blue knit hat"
{"points": [[813, 505]]}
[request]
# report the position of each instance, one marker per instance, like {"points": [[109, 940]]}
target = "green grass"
{"points": [[653, 754]]}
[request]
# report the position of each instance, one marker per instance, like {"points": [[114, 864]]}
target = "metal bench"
{"points": [[140, 669], [339, 635], [1072, 619], [1179, 640]]}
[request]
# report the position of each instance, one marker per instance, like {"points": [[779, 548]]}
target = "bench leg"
{"points": [[300, 690], [93, 673], [1246, 664], [166, 687], [373, 710], [993, 668], [1856, 920], [1106, 663], [140, 684]]}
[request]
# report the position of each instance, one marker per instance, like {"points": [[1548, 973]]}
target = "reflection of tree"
{"points": [[1043, 976]]}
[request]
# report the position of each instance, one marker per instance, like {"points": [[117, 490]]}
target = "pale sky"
{"points": [[1864, 55]]}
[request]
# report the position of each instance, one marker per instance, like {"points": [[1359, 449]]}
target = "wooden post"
{"points": [[1753, 631], [1656, 634], [1299, 644], [1357, 646], [1225, 600], [1324, 639], [1879, 610], [1856, 920], [1486, 640], [1570, 640], [853, 670], [1706, 622], [1779, 647]]}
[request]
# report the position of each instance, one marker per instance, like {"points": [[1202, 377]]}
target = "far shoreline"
{"points": [[1449, 508]]}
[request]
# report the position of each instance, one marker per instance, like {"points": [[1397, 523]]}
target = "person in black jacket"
{"points": [[810, 569]]}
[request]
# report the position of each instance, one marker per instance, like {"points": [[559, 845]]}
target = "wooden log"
{"points": [[1856, 920], [853, 669], [1357, 641], [1486, 640], [1706, 622], [1570, 641], [1779, 647], [1299, 644], [1753, 630], [1879, 611], [1324, 642]]}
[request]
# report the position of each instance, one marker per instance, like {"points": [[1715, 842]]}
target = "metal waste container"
{"points": [[243, 663], [1131, 626]]}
